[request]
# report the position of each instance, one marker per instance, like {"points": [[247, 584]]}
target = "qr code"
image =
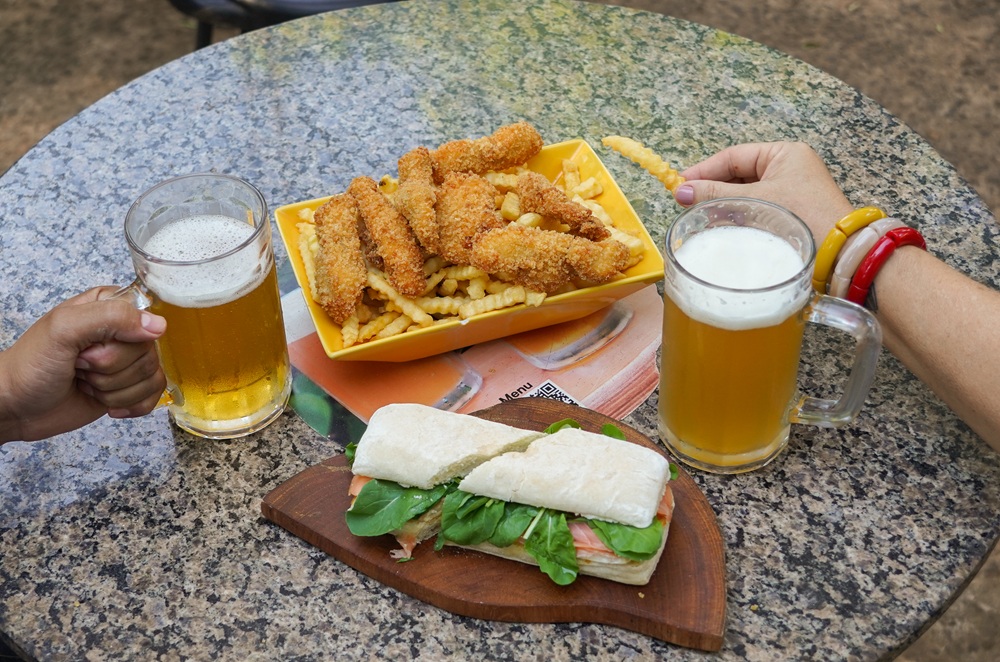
{"points": [[552, 392]]}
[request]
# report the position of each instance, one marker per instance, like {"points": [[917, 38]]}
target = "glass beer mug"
{"points": [[201, 247], [737, 295]]}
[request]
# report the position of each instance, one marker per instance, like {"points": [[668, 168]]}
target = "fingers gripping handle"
{"points": [[135, 295], [861, 324]]}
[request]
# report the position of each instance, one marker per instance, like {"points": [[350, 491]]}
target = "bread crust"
{"points": [[419, 446], [578, 472]]}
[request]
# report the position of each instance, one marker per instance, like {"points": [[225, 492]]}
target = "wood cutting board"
{"points": [[684, 603]]}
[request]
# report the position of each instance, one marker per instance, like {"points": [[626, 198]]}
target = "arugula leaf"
{"points": [[383, 506], [515, 521], [468, 519], [559, 425], [613, 431], [629, 542], [674, 471], [349, 451], [551, 544]]}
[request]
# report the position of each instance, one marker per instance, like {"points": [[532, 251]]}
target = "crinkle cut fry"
{"points": [[466, 207], [537, 194], [416, 196], [510, 145], [647, 158], [341, 274], [391, 236]]}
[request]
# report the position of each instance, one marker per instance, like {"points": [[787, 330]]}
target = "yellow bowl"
{"points": [[496, 324]]}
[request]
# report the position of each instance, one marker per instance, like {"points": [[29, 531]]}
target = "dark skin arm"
{"points": [[85, 358]]}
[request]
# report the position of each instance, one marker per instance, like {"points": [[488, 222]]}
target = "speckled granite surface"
{"points": [[131, 540]]}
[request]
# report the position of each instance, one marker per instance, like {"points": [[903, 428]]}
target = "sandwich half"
{"points": [[573, 503], [408, 459]]}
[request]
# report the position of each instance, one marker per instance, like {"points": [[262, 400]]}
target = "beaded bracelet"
{"points": [[876, 258], [845, 227], [854, 251]]}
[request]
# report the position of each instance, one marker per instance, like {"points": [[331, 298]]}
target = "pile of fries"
{"points": [[461, 291]]}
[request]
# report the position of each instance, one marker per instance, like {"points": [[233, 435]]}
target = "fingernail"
{"points": [[684, 195], [153, 323]]}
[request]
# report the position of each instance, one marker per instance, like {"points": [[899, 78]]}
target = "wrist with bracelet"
{"points": [[855, 251]]}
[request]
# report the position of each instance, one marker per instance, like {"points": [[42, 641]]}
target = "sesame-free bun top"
{"points": [[580, 472], [420, 446]]}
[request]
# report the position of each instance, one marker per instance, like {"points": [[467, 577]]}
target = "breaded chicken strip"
{"points": [[509, 146], [546, 261], [391, 236], [416, 196], [525, 256], [341, 275], [537, 194], [466, 206], [597, 261]]}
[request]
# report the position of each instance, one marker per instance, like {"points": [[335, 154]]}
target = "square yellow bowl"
{"points": [[499, 323]]}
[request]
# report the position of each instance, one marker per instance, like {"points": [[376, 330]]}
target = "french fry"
{"points": [[308, 247], [395, 327], [571, 175], [646, 158], [441, 305], [509, 297], [502, 181], [372, 328], [349, 331], [377, 282], [510, 208], [463, 272], [476, 289], [587, 189]]}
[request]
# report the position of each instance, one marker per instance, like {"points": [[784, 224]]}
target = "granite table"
{"points": [[132, 540]]}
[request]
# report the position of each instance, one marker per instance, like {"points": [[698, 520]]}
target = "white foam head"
{"points": [[744, 264], [210, 283]]}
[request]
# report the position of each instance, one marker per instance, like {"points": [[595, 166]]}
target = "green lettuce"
{"points": [[383, 506]]}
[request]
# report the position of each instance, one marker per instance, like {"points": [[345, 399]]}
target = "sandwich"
{"points": [[574, 502], [569, 501], [408, 459]]}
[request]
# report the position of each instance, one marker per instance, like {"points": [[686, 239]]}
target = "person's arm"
{"points": [[84, 358], [942, 325], [945, 327]]}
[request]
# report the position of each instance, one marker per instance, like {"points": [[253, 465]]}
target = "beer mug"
{"points": [[201, 246], [737, 295]]}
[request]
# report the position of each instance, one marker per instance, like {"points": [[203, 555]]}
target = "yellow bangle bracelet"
{"points": [[845, 227]]}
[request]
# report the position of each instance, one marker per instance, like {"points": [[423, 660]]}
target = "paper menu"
{"points": [[605, 362]]}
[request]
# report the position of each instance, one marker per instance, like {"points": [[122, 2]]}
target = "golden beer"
{"points": [[224, 352], [737, 296], [726, 402], [731, 341]]}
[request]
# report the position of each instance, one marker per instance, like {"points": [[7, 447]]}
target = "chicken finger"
{"points": [[340, 267], [391, 236]]}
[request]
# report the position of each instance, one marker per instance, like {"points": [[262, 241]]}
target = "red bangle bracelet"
{"points": [[877, 257]]}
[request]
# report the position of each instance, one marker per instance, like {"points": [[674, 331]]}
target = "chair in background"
{"points": [[247, 15]]}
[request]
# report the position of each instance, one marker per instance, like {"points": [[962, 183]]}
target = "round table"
{"points": [[132, 540]]}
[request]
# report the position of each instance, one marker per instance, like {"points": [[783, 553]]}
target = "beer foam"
{"points": [[209, 284], [743, 260]]}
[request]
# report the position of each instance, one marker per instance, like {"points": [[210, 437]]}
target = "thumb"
{"points": [[692, 192], [107, 320]]}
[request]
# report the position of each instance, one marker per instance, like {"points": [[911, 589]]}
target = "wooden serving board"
{"points": [[684, 603]]}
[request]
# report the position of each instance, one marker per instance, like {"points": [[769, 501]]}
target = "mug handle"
{"points": [[135, 295], [860, 323]]}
